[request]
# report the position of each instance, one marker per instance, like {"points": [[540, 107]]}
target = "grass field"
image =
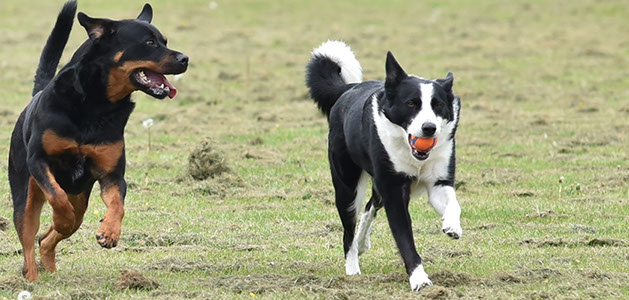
{"points": [[544, 88]]}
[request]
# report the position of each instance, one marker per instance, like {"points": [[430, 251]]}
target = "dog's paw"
{"points": [[108, 234], [419, 279], [351, 262], [452, 229]]}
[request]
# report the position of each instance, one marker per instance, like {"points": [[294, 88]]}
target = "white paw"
{"points": [[351, 261], [452, 229], [352, 269], [419, 279]]}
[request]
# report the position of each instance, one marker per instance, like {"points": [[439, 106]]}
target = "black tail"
{"points": [[51, 54], [331, 71]]}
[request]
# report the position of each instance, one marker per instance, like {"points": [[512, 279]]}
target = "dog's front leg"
{"points": [[112, 192], [396, 198], [443, 200]]}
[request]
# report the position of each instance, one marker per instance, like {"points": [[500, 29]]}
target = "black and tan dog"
{"points": [[71, 134]]}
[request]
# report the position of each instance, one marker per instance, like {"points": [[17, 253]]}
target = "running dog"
{"points": [[371, 128], [71, 134]]}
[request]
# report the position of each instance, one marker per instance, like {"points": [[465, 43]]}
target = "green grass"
{"points": [[543, 89]]}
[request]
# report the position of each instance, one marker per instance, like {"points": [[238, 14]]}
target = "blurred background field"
{"points": [[542, 178]]}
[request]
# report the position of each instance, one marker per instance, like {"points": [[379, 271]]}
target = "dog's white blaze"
{"points": [[419, 278], [340, 53], [351, 260], [426, 114], [395, 141], [364, 228]]}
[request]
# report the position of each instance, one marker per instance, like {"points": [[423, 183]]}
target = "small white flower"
{"points": [[147, 123], [24, 295], [213, 5]]}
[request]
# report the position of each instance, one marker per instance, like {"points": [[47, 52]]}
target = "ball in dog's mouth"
{"points": [[154, 84], [420, 147]]}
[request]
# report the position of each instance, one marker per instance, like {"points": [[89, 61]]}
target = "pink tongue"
{"points": [[157, 79], [173, 90]]}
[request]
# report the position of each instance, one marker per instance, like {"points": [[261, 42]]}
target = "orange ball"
{"points": [[423, 144]]}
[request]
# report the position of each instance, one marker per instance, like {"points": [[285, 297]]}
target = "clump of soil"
{"points": [[4, 224], [134, 280], [205, 161]]}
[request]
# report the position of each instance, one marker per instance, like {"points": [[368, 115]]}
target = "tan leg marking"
{"points": [[109, 231], [30, 224], [51, 238]]}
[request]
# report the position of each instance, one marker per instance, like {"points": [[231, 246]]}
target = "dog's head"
{"points": [[423, 108], [135, 55]]}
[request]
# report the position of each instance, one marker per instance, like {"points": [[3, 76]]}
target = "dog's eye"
{"points": [[410, 104], [151, 43], [436, 104]]}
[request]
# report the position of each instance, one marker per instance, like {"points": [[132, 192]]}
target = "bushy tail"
{"points": [[331, 71], [51, 54]]}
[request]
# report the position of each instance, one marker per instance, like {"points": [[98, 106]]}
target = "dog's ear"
{"points": [[147, 14], [447, 82], [96, 28], [395, 73], [68, 84]]}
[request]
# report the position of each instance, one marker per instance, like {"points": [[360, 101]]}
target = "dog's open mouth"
{"points": [[153, 84], [417, 153]]}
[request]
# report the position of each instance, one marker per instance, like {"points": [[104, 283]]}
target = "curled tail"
{"points": [[51, 54], [332, 70]]}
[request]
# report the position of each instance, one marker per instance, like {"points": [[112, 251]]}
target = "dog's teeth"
{"points": [[161, 86]]}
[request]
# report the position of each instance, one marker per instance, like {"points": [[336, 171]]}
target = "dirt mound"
{"points": [[4, 224], [205, 161], [134, 280]]}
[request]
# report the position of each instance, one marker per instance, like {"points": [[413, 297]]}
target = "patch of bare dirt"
{"points": [[134, 280]]}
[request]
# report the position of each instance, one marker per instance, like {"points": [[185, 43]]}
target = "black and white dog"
{"points": [[371, 123]]}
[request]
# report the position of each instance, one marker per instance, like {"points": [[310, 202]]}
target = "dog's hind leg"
{"points": [[26, 220], [49, 240], [349, 187], [366, 220], [62, 210]]}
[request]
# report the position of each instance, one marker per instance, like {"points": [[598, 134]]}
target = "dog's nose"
{"points": [[429, 128], [182, 59]]}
